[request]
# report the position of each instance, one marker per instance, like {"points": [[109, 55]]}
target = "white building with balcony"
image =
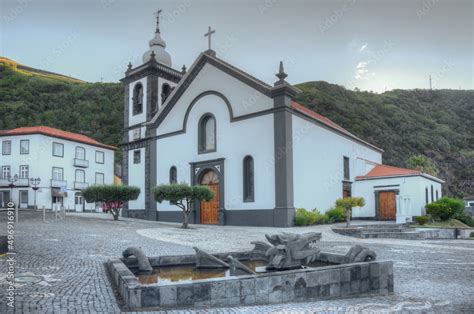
{"points": [[65, 162]]}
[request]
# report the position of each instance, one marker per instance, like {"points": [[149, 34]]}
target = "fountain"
{"points": [[290, 267]]}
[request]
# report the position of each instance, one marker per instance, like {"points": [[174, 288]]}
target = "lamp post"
{"points": [[35, 182], [12, 181]]}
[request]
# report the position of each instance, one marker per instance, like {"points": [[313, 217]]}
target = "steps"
{"points": [[390, 231]]}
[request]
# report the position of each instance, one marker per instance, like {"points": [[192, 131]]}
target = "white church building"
{"points": [[261, 152]]}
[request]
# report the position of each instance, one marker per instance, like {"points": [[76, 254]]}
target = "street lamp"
{"points": [[12, 181], [35, 182]]}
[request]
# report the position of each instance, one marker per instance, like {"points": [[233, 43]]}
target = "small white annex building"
{"points": [[261, 152], [64, 162]]}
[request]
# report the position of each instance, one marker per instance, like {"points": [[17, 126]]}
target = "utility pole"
{"points": [[431, 87]]}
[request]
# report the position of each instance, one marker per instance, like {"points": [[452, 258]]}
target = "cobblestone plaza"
{"points": [[60, 265]]}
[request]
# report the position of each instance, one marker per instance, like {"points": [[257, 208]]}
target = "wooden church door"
{"points": [[387, 206], [210, 210]]}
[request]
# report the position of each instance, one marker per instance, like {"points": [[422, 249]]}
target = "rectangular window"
{"points": [[99, 178], [136, 157], [23, 196], [24, 172], [80, 176], [99, 157], [80, 153], [24, 147], [58, 149], [347, 174], [6, 147], [58, 174], [6, 171]]}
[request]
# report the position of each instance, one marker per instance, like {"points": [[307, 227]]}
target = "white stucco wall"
{"points": [[412, 196], [41, 161], [136, 177], [234, 141], [318, 165], [244, 99]]}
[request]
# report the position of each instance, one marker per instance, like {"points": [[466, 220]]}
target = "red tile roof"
{"points": [[388, 171], [45, 130], [327, 122]]}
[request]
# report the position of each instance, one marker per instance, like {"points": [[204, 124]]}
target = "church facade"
{"points": [[261, 152]]}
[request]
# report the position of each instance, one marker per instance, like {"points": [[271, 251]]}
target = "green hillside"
{"points": [[438, 124], [435, 123], [93, 109]]}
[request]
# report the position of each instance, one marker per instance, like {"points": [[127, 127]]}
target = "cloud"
{"points": [[362, 48]]}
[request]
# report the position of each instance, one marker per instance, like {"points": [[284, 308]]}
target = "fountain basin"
{"points": [[330, 278]]}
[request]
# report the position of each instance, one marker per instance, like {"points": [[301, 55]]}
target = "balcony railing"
{"points": [[17, 183], [58, 183], [80, 185], [83, 163]]}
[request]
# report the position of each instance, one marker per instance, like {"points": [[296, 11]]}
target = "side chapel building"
{"points": [[261, 152]]}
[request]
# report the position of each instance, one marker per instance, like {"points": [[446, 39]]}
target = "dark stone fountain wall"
{"points": [[327, 282]]}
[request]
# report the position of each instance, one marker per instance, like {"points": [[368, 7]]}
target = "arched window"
{"points": [[165, 92], [207, 134], [80, 176], [137, 99], [173, 175], [248, 177], [426, 195], [432, 194]]}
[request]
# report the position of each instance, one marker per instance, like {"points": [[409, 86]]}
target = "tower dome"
{"points": [[157, 46]]}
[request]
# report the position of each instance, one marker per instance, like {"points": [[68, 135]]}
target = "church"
{"points": [[262, 153]]}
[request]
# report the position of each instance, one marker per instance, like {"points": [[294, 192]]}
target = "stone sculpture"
{"points": [[290, 250], [206, 260], [143, 262], [237, 268]]}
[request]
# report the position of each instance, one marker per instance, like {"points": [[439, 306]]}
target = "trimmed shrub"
{"points": [[421, 220], [111, 196], [304, 217], [183, 196], [336, 214], [445, 208]]}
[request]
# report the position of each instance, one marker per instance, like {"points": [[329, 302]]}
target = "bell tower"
{"points": [[146, 89]]}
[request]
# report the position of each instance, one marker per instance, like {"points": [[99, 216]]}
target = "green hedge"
{"points": [[445, 208], [306, 218], [336, 214], [422, 220]]}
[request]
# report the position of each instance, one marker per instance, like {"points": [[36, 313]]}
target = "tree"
{"points": [[423, 164], [183, 196], [111, 196], [349, 202]]}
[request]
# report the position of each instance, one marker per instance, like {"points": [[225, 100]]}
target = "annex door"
{"points": [[210, 210], [78, 202], [387, 205]]}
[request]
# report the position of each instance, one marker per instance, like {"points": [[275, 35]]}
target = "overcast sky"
{"points": [[373, 45]]}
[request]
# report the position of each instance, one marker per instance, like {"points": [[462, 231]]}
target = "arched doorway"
{"points": [[210, 210]]}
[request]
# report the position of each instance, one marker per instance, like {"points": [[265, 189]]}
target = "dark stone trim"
{"points": [[151, 96], [134, 213], [377, 209], [152, 68], [141, 143], [251, 217], [197, 170], [232, 118], [174, 216], [150, 179], [249, 198], [194, 71], [284, 213], [386, 186]]}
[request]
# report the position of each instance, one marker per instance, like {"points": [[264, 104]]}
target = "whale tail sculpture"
{"points": [[143, 262]]}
